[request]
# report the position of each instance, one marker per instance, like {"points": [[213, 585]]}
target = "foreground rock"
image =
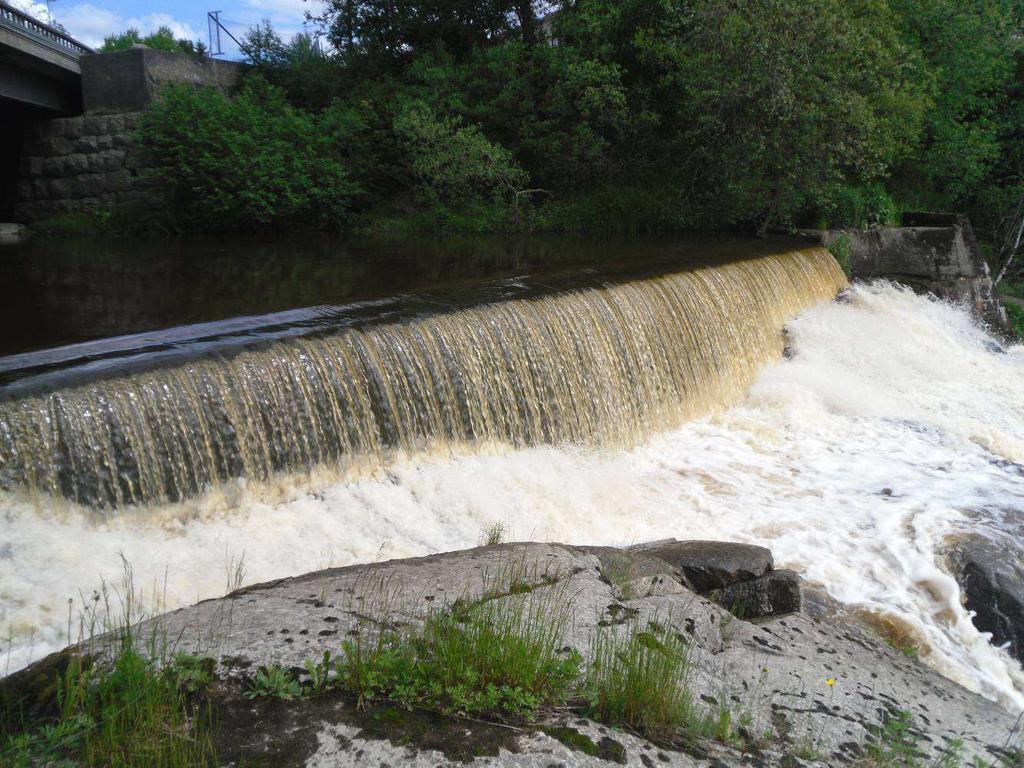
{"points": [[773, 674]]}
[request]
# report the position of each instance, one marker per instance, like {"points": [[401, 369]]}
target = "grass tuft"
{"points": [[640, 679], [121, 708], [493, 534], [501, 659], [120, 713]]}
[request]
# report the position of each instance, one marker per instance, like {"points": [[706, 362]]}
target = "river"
{"points": [[892, 425]]}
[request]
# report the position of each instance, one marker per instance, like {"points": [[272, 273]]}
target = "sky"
{"points": [[91, 20]]}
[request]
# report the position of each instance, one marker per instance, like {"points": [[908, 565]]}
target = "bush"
{"points": [[251, 161], [866, 205], [840, 251], [161, 40], [1015, 314], [455, 164]]}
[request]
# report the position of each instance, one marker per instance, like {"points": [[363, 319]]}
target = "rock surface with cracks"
{"points": [[773, 673]]}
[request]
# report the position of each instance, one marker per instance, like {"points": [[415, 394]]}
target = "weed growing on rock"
{"points": [[493, 534], [114, 704], [125, 711], [191, 673], [896, 744], [275, 682], [500, 659], [321, 674]]}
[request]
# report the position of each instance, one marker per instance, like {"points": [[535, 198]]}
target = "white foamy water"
{"points": [[894, 427]]}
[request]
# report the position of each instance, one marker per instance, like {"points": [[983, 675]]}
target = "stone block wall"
{"points": [[91, 163], [83, 164]]}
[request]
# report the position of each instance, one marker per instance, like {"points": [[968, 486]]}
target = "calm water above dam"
{"points": [[305, 405], [59, 292]]}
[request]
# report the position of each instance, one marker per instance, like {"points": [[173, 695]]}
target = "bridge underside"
{"points": [[35, 80], [39, 79]]}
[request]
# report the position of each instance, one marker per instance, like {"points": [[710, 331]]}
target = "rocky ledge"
{"points": [[801, 689]]}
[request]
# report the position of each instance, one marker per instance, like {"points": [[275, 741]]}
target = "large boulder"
{"points": [[990, 569], [711, 565], [774, 594]]}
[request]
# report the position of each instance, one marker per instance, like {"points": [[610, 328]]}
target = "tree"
{"points": [[161, 40], [750, 110], [262, 46], [455, 163], [390, 35]]}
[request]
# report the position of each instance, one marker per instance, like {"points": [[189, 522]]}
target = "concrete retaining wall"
{"points": [[130, 80], [933, 252]]}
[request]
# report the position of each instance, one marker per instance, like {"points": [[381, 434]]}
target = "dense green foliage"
{"points": [[1013, 299], [248, 160], [161, 40], [633, 115]]}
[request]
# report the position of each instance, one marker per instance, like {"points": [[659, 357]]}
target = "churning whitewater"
{"points": [[894, 424]]}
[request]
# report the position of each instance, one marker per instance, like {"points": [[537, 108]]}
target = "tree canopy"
{"points": [[162, 40], [669, 114]]}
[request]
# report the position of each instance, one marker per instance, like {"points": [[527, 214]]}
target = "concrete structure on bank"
{"points": [[86, 159], [932, 252]]}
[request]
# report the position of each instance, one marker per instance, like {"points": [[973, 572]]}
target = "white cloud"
{"points": [[287, 16], [33, 9], [288, 10], [91, 24], [88, 23], [154, 21]]}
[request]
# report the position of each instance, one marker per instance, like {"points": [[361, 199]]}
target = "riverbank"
{"points": [[346, 667]]}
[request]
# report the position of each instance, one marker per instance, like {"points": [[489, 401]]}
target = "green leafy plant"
{"points": [[320, 674], [894, 743], [191, 673], [840, 251], [274, 682]]}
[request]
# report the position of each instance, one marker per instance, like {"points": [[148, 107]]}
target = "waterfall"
{"points": [[602, 365]]}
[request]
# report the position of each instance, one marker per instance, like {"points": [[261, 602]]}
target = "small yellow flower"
{"points": [[830, 682]]}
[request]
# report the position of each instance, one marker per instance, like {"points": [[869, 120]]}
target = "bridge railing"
{"points": [[12, 17]]}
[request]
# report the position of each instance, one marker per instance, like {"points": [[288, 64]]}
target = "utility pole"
{"points": [[212, 31], [213, 28]]}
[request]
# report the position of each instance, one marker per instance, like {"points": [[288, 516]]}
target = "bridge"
{"points": [[39, 66]]}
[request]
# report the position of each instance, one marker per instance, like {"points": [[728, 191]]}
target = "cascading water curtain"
{"points": [[596, 366]]}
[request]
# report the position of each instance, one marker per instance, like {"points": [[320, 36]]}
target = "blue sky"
{"points": [[91, 20]]}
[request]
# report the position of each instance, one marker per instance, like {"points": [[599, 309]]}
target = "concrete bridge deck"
{"points": [[39, 65]]}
